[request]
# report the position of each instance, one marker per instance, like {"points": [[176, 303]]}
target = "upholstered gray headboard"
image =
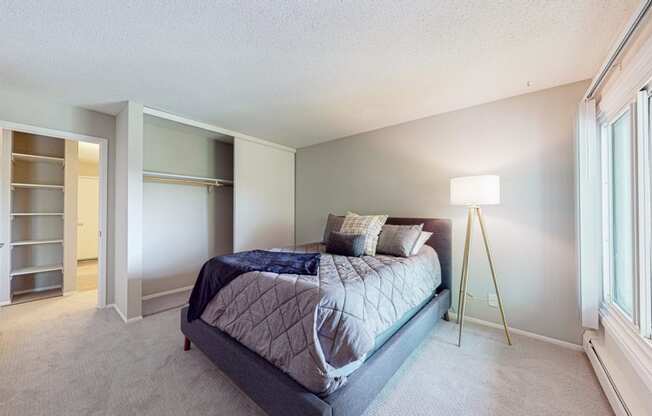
{"points": [[441, 241]]}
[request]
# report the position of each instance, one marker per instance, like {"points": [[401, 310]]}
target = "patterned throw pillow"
{"points": [[398, 240], [346, 244], [333, 223], [369, 225]]}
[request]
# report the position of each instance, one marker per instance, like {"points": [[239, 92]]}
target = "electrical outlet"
{"points": [[492, 300]]}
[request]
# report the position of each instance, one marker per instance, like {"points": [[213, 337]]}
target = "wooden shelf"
{"points": [[36, 214], [36, 295], [36, 269], [37, 158], [36, 186], [34, 242]]}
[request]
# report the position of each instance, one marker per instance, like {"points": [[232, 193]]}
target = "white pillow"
{"points": [[423, 237]]}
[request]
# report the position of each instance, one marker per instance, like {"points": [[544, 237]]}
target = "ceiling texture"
{"points": [[301, 72]]}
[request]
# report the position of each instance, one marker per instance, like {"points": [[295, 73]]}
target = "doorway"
{"points": [[88, 226], [40, 187]]}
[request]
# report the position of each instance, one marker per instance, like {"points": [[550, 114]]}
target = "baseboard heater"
{"points": [[606, 380]]}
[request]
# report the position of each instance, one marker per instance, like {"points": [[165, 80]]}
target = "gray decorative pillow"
{"points": [[346, 244], [398, 240], [333, 223]]}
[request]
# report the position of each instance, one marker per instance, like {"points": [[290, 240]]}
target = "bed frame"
{"points": [[279, 395]]}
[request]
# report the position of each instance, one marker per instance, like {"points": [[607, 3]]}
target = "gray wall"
{"points": [[404, 170], [42, 112], [183, 225]]}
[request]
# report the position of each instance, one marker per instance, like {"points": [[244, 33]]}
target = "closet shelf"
{"points": [[36, 214], [36, 269], [37, 158], [36, 186], [34, 242], [185, 179], [37, 294]]}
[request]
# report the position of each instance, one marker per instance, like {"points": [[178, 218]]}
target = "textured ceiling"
{"points": [[299, 73]]}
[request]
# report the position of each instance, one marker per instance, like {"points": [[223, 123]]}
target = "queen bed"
{"points": [[326, 344]]}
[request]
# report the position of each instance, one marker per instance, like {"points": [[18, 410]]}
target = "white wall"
{"points": [[128, 258], [5, 180], [71, 170], [264, 196], [404, 170]]}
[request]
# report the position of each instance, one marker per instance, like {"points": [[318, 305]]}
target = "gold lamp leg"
{"points": [[465, 262], [465, 275], [493, 275]]}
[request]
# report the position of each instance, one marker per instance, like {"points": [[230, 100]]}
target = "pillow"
{"points": [[423, 237], [333, 223], [398, 240], [346, 244], [369, 225]]}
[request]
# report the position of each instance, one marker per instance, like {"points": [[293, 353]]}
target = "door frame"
{"points": [[103, 179]]}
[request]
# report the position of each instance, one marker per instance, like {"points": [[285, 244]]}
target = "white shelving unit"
{"points": [[37, 214], [36, 185], [37, 158], [36, 258], [35, 242], [36, 269]]}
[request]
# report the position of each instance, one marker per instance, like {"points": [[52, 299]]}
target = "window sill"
{"points": [[636, 348]]}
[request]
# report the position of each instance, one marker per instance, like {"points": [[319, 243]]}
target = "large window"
{"points": [[622, 213], [627, 213]]}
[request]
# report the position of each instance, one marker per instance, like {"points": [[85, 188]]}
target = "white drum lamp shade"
{"points": [[474, 191]]}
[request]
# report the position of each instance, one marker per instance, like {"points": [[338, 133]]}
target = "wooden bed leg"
{"points": [[446, 316], [186, 344]]}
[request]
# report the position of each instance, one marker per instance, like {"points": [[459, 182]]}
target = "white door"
{"points": [[88, 208], [263, 196]]}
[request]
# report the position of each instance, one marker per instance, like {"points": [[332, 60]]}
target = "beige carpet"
{"points": [[64, 357]]}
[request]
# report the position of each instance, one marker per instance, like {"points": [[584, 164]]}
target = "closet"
{"points": [[36, 215], [187, 208]]}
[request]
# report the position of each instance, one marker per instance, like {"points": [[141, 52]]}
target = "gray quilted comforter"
{"points": [[319, 329]]}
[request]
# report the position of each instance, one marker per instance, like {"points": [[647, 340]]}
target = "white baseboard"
{"points": [[124, 318], [555, 341], [168, 292]]}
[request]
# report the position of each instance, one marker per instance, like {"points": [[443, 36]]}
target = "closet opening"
{"points": [[52, 215], [187, 207]]}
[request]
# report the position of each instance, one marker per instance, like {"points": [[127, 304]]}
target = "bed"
{"points": [[290, 386]]}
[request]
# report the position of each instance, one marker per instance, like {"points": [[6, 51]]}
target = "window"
{"points": [[622, 213], [627, 213]]}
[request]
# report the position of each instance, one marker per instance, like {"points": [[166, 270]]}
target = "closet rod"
{"points": [[185, 179]]}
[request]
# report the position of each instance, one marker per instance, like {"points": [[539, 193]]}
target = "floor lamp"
{"points": [[472, 192]]}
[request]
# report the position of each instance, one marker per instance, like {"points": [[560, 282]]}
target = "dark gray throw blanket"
{"points": [[221, 270]]}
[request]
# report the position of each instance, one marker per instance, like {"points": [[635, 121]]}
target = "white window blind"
{"points": [[589, 214]]}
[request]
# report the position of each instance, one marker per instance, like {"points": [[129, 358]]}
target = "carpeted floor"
{"points": [[64, 357]]}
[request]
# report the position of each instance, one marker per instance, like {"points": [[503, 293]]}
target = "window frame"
{"points": [[644, 193], [606, 138]]}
